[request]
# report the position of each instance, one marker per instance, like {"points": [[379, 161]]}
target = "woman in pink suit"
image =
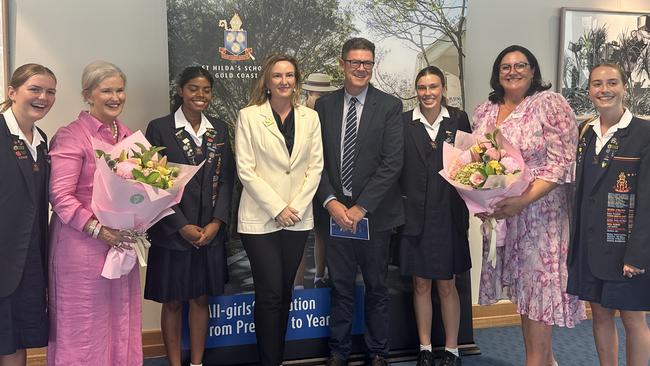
{"points": [[95, 321]]}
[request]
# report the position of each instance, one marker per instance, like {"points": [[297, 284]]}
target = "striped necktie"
{"points": [[349, 145]]}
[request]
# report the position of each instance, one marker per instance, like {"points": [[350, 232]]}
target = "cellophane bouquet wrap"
{"points": [[134, 188], [485, 169]]}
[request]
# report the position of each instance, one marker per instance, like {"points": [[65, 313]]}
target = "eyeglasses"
{"points": [[519, 67], [368, 65]]}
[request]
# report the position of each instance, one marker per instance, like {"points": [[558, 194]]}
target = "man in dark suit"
{"points": [[363, 149]]}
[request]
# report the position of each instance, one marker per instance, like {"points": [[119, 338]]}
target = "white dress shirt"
{"points": [[182, 122], [601, 139], [15, 130], [432, 129]]}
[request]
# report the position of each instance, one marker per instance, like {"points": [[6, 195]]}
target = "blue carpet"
{"points": [[504, 347]]}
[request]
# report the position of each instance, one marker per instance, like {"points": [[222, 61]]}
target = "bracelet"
{"points": [[91, 227], [96, 231]]}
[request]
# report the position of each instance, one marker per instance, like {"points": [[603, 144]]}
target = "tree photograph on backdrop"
{"points": [[311, 30], [589, 37], [435, 29], [231, 39]]}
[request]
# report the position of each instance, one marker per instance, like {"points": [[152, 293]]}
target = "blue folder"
{"points": [[363, 233]]}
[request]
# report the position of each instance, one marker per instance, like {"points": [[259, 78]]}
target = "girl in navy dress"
{"points": [[434, 243], [187, 260], [610, 245], [23, 213]]}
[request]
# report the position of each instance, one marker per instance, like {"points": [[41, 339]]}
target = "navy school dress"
{"points": [[176, 270], [608, 196], [23, 311], [434, 241]]}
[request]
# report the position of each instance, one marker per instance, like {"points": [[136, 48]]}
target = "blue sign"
{"points": [[231, 317]]}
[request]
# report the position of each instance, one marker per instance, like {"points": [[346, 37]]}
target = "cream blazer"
{"points": [[271, 178]]}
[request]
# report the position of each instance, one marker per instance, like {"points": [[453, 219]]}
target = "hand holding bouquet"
{"points": [[485, 170], [132, 192], [486, 164], [144, 166]]}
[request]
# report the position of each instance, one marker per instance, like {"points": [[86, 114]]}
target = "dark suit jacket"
{"points": [[196, 205], [415, 174], [379, 156], [630, 155], [18, 210]]}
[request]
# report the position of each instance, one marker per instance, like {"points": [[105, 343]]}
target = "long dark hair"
{"points": [[433, 70], [184, 77], [537, 84]]}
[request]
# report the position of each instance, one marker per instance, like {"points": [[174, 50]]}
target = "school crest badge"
{"points": [[235, 41]]}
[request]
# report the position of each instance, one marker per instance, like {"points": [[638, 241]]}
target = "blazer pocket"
{"points": [[626, 158]]}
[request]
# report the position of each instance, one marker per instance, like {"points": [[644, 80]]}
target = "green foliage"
{"points": [[146, 154], [628, 50], [418, 24], [313, 31]]}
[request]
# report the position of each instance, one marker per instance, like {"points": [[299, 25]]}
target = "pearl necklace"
{"points": [[114, 130]]}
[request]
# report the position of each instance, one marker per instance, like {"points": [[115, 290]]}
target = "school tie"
{"points": [[349, 145]]}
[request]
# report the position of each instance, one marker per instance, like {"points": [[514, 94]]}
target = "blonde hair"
{"points": [[94, 73], [259, 94], [20, 77]]}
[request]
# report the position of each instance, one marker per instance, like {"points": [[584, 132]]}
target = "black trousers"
{"points": [[343, 256], [274, 260]]}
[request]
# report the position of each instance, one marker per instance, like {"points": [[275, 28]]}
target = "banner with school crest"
{"points": [[231, 39]]}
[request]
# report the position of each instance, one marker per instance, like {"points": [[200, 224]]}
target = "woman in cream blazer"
{"points": [[279, 161]]}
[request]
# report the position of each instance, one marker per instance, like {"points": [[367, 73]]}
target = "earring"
{"points": [[268, 92]]}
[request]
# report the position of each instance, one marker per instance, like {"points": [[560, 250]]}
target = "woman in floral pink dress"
{"points": [[531, 267]]}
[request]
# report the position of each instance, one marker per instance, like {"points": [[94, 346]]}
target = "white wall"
{"points": [[66, 35], [493, 25]]}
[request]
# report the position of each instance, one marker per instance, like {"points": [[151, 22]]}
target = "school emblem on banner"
{"points": [[235, 42]]}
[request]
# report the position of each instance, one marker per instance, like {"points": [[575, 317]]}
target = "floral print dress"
{"points": [[531, 268]]}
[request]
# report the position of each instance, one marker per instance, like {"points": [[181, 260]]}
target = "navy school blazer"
{"points": [[19, 208], [196, 206], [618, 204]]}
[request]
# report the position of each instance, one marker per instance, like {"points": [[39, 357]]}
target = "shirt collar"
{"points": [[15, 130], [622, 123], [417, 115], [361, 97], [182, 122], [97, 125]]}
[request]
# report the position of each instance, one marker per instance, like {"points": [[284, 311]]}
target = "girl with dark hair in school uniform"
{"points": [[434, 243]]}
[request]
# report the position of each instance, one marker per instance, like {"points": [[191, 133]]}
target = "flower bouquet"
{"points": [[484, 170], [134, 188]]}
